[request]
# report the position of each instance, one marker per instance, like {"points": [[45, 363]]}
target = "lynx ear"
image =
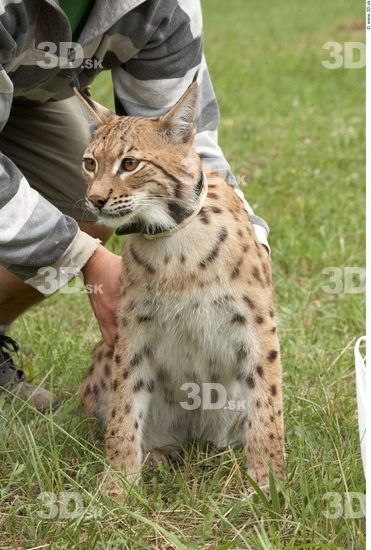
{"points": [[100, 113], [179, 124]]}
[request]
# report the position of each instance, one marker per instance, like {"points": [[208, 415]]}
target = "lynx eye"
{"points": [[128, 165], [89, 164]]}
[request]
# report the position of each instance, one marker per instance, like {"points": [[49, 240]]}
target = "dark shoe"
{"points": [[15, 380]]}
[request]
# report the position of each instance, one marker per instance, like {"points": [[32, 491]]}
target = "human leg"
{"points": [[15, 298], [46, 142]]}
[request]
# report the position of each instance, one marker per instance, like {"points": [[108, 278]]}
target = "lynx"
{"points": [[196, 305]]}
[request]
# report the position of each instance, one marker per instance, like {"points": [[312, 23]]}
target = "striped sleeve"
{"points": [[154, 79], [33, 233]]}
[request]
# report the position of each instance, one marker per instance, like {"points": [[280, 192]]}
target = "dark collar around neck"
{"points": [[153, 231]]}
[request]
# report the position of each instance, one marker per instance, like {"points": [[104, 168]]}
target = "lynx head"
{"points": [[142, 171]]}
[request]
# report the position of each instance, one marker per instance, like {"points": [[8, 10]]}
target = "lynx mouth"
{"points": [[106, 212], [117, 219]]}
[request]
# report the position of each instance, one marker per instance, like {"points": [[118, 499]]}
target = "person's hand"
{"points": [[102, 273]]}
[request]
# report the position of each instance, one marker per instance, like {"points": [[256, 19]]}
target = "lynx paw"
{"points": [[156, 458], [261, 478], [112, 486]]}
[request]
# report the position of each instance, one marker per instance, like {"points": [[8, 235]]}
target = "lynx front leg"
{"points": [[131, 390], [95, 387], [265, 430]]}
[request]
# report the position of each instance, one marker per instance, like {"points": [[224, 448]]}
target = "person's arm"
{"points": [[102, 274], [46, 249], [40, 245], [33, 233], [153, 80]]}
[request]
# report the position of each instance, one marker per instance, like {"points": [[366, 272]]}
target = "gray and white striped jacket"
{"points": [[153, 49]]}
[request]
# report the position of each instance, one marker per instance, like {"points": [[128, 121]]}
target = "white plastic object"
{"points": [[360, 364]]}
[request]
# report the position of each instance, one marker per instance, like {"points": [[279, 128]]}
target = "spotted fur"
{"points": [[195, 307]]}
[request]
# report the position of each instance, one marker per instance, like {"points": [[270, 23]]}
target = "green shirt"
{"points": [[77, 12]]}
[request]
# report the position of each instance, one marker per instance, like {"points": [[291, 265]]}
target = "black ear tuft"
{"points": [[100, 113], [196, 75], [179, 124]]}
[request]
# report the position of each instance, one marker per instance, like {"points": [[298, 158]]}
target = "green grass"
{"points": [[294, 132]]}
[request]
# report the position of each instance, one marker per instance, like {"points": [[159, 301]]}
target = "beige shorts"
{"points": [[46, 141]]}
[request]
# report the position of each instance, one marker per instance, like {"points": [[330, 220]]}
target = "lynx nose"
{"points": [[97, 200]]}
